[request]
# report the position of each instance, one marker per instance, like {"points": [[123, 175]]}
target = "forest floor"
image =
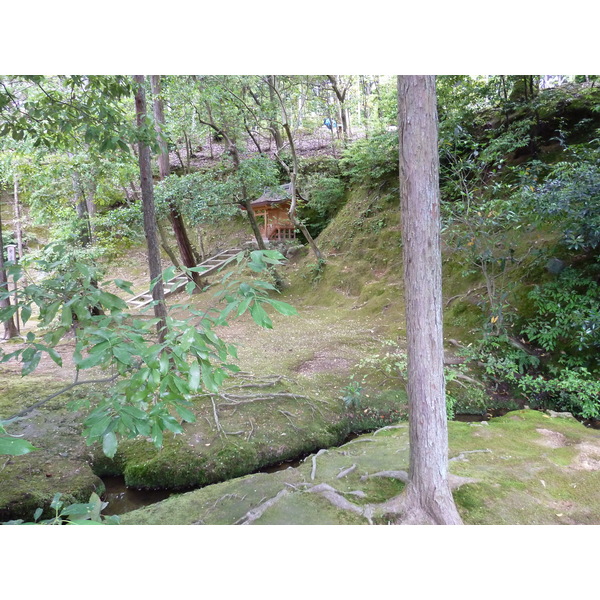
{"points": [[524, 468]]}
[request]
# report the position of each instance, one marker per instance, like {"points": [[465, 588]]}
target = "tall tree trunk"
{"points": [[188, 256], [428, 495], [10, 329], [273, 124], [293, 176], [18, 223], [85, 232], [341, 97], [147, 188], [91, 208]]}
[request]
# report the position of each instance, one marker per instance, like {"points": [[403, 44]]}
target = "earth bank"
{"points": [[524, 468]]}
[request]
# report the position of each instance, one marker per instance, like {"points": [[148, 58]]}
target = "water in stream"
{"points": [[122, 499]]}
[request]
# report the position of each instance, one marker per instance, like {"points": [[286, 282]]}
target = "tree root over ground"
{"points": [[397, 510]]}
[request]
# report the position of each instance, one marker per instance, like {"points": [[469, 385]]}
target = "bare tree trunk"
{"points": [[428, 497], [91, 209], [147, 187], [340, 94], [165, 244], [85, 232], [273, 124], [10, 329], [188, 256], [17, 221], [293, 175]]}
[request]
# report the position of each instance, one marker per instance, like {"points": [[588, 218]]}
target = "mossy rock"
{"points": [[30, 481]]}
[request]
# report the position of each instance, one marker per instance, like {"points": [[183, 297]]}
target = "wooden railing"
{"points": [[280, 231]]}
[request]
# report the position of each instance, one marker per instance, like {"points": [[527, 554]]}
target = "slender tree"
{"points": [[147, 188], [340, 89], [428, 498], [188, 256], [10, 329], [293, 175]]}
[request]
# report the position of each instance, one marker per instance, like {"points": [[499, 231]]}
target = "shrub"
{"points": [[567, 319], [372, 161]]}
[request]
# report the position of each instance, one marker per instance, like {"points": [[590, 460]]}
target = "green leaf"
{"points": [[243, 307], [260, 317], [48, 313], [124, 285], [169, 273], [111, 301], [185, 414], [83, 522], [14, 446], [30, 365], [109, 444], [55, 356], [25, 314], [282, 307], [78, 510], [171, 424], [67, 316], [208, 377], [157, 436], [164, 364], [122, 354], [194, 377]]}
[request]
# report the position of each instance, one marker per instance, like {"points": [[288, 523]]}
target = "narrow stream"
{"points": [[122, 499]]}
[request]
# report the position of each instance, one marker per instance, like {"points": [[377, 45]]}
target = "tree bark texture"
{"points": [[428, 495], [149, 213]]}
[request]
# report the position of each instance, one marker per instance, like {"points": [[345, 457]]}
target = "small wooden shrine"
{"points": [[271, 211]]}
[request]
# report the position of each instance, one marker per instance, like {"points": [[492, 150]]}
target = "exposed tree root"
{"points": [[390, 427], [75, 383], [339, 501], [314, 462], [400, 509], [201, 521], [401, 475], [288, 416], [257, 512], [358, 441], [461, 456], [345, 472], [236, 400]]}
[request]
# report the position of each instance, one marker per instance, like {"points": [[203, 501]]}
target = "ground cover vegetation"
{"points": [[519, 181]]}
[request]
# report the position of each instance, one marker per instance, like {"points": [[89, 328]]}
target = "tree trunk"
{"points": [[81, 207], [427, 496], [188, 256], [273, 124], [91, 209], [10, 329], [18, 223], [147, 188], [341, 97]]}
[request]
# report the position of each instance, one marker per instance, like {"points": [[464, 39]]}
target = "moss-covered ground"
{"points": [[527, 468]]}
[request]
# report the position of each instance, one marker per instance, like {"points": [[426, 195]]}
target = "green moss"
{"points": [[29, 482]]}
